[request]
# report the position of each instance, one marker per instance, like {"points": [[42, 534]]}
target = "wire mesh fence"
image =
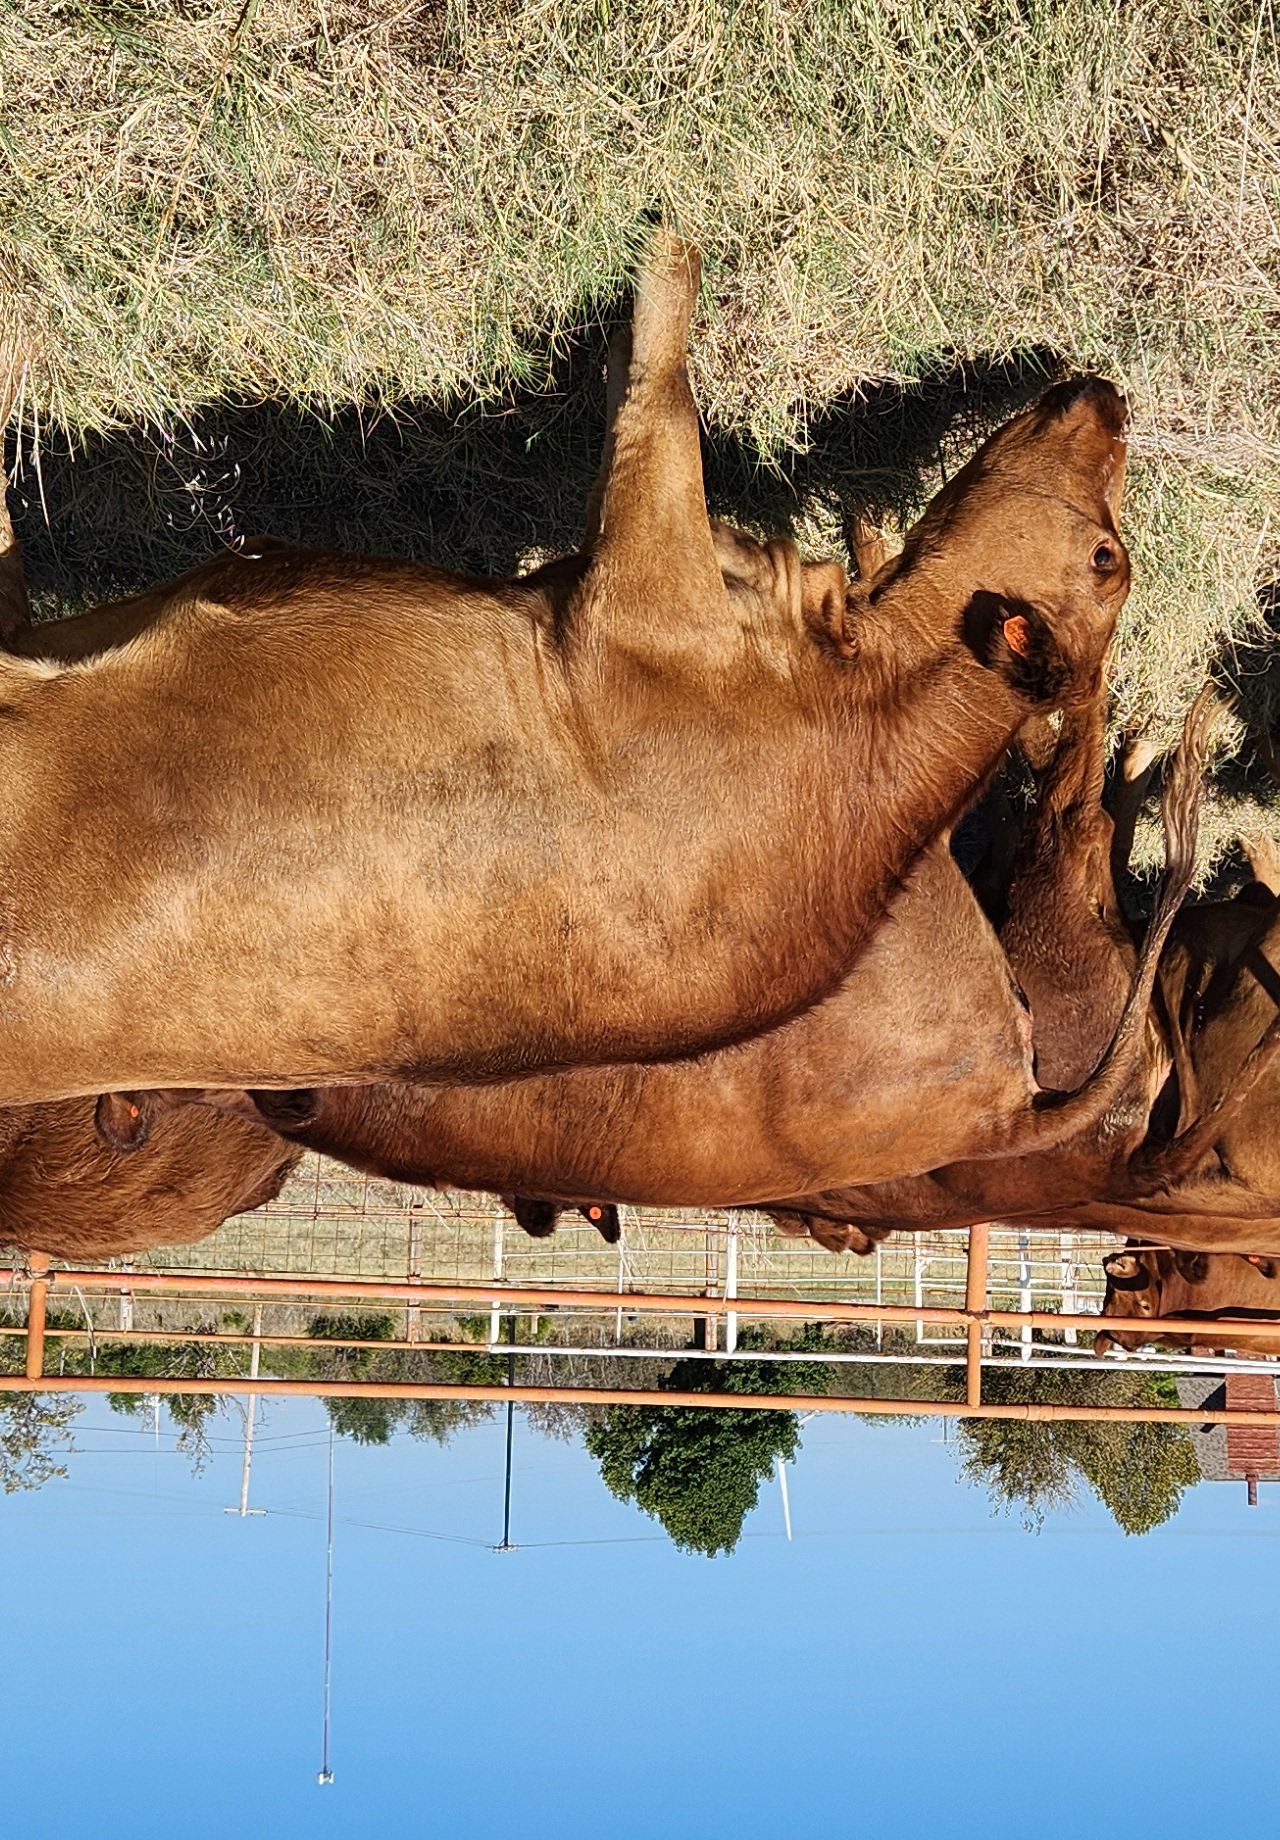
{"points": [[332, 1227], [329, 1221]]}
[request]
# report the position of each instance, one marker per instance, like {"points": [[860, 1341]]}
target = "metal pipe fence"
{"points": [[975, 1325]]}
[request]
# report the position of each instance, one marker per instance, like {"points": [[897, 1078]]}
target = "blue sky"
{"points": [[906, 1665]]}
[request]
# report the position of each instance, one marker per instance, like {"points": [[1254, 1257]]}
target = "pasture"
{"points": [[344, 273]]}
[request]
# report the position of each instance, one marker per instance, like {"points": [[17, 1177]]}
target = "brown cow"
{"points": [[925, 1043], [329, 818], [66, 1193], [1158, 1281], [1221, 989], [1064, 916]]}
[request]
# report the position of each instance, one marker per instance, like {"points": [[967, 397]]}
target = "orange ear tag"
{"points": [[594, 1213], [1017, 634]]}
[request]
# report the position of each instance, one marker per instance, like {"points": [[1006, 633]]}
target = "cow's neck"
{"points": [[928, 722]]}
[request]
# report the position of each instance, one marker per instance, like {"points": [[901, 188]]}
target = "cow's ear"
{"points": [[124, 1120], [286, 1110], [1010, 638], [824, 595]]}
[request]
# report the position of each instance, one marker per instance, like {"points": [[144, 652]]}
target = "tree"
{"points": [[699, 1472], [1139, 1472], [376, 1421], [33, 1427]]}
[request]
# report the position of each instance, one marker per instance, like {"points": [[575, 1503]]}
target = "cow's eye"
{"points": [[1104, 558]]}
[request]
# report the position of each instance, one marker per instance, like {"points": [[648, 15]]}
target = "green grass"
{"points": [[342, 269]]}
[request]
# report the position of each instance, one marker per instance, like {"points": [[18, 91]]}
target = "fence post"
{"points": [[731, 1289], [1070, 1275], [495, 1314], [622, 1273], [413, 1315], [975, 1302], [713, 1285], [1024, 1289], [879, 1298], [38, 1266]]}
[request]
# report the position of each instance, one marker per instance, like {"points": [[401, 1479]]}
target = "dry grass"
{"points": [[341, 268]]}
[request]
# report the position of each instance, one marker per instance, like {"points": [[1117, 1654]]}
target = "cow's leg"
{"points": [[1264, 861], [652, 580], [15, 608], [1138, 760]]}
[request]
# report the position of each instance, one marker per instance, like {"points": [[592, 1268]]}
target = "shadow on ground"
{"points": [[469, 485]]}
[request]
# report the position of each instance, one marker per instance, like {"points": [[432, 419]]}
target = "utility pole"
{"points": [[324, 1774], [506, 1545], [251, 1406], [786, 1499]]}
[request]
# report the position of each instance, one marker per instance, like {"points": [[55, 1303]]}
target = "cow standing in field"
{"points": [[1155, 1281], [328, 818]]}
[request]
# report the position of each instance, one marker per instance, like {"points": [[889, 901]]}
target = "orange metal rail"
{"points": [[529, 1299], [975, 1319], [622, 1396]]}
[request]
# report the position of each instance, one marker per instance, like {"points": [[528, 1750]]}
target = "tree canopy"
{"points": [[699, 1471], [1139, 1472]]}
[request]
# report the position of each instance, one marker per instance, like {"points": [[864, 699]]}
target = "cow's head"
{"points": [[1025, 540], [1134, 1285]]}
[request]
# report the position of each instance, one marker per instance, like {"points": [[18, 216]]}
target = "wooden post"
{"points": [[975, 1302], [38, 1266]]}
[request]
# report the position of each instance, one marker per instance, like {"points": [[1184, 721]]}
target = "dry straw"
{"points": [[913, 210]]}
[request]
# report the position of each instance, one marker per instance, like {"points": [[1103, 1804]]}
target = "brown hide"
{"points": [[1221, 989], [329, 818], [1153, 1282], [65, 1193], [1072, 887], [925, 1043], [1064, 935]]}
